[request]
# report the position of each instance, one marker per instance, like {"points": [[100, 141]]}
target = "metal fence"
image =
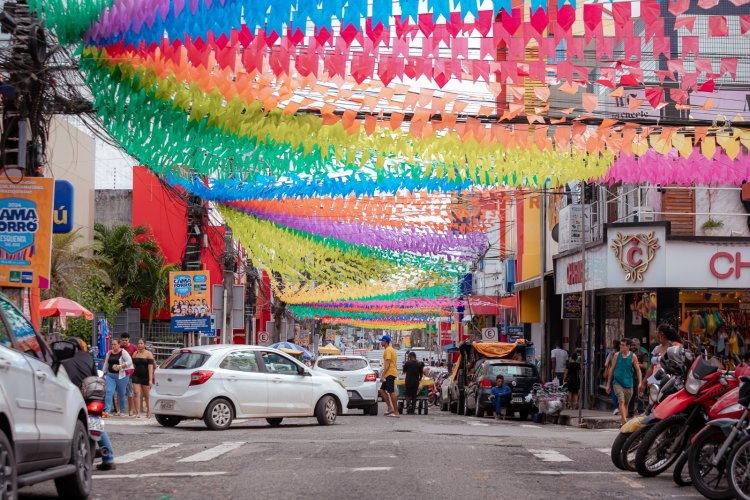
{"points": [[161, 341]]}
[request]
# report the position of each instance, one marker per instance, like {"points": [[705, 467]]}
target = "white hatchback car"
{"points": [[218, 383], [355, 373]]}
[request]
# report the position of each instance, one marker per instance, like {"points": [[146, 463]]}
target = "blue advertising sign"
{"points": [[62, 209]]}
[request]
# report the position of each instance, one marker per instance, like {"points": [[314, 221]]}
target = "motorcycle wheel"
{"points": [[616, 452], [738, 469], [630, 448], [681, 474], [653, 455], [709, 480]]}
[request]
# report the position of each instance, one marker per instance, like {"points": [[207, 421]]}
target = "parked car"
{"points": [[358, 378], [219, 383], [520, 376], [43, 419], [377, 367], [471, 355]]}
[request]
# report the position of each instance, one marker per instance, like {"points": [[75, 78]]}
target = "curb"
{"points": [[588, 422]]}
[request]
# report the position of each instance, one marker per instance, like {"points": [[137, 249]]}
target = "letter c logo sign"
{"points": [[631, 256]]}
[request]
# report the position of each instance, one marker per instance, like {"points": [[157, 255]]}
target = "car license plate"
{"points": [[517, 400], [95, 424], [166, 405]]}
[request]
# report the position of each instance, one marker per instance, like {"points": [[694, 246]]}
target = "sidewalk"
{"points": [[592, 419]]}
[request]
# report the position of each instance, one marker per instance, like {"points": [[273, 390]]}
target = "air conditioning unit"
{"points": [[645, 214]]}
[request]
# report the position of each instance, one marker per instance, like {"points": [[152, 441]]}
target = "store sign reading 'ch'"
{"points": [[634, 253]]}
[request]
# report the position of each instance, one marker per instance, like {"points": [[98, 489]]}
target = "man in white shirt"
{"points": [[559, 361]]}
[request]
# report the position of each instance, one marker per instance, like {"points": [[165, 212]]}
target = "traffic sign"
{"points": [[263, 337], [489, 334]]}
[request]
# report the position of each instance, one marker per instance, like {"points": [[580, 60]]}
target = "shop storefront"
{"points": [[641, 277]]}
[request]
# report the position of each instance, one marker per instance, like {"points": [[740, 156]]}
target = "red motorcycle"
{"points": [[710, 448], [682, 415]]}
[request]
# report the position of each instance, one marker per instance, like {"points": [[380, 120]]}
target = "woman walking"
{"points": [[143, 377], [572, 380], [116, 378]]}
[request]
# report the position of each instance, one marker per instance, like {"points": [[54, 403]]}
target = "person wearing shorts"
{"points": [[388, 378], [621, 377]]}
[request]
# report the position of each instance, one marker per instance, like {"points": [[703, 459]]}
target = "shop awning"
{"points": [[489, 305], [528, 284]]}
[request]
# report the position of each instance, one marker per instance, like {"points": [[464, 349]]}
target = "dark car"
{"points": [[520, 376]]}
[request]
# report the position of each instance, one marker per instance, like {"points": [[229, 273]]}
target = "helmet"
{"points": [[674, 361]]}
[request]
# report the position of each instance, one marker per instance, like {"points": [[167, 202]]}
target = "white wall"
{"points": [[722, 201]]}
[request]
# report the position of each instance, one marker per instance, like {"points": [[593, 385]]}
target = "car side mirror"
{"points": [[304, 371]]}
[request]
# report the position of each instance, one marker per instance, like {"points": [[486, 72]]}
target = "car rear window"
{"points": [[185, 360], [512, 371], [342, 364]]}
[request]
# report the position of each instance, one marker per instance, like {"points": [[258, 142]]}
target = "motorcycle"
{"points": [[639, 426], [680, 416], [711, 448], [93, 390]]}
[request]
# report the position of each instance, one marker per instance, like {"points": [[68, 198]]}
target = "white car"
{"points": [[355, 373], [218, 383], [43, 419]]}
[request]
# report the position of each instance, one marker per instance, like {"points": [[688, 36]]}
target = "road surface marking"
{"points": [[370, 469], [566, 472], [158, 474], [550, 456], [606, 451], [629, 482], [529, 426], [211, 453], [137, 455], [379, 456]]}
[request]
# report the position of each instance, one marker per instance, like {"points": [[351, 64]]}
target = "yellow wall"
{"points": [[530, 300]]}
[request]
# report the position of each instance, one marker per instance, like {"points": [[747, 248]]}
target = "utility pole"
{"points": [[584, 314], [227, 284]]}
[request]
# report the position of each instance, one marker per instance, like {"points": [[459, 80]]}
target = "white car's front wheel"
{"points": [[8, 484], [218, 415], [326, 410]]}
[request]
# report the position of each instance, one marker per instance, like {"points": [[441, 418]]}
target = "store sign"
{"points": [[574, 273], [634, 253], [724, 265], [572, 306], [62, 217]]}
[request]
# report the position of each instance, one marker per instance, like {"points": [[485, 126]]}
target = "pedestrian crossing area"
{"points": [[191, 453]]}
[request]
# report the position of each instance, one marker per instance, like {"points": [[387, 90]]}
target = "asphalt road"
{"points": [[437, 456]]}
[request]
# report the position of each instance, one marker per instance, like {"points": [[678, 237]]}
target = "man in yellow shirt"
{"points": [[388, 377]]}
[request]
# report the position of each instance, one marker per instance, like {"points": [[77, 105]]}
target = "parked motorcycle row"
{"points": [[698, 420]]}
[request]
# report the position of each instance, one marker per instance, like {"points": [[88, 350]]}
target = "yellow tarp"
{"points": [[291, 352], [455, 371], [329, 349], [496, 349]]}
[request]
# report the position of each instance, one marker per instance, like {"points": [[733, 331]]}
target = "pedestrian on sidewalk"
{"points": [[607, 366], [500, 395], [129, 392], [143, 377], [637, 404], [413, 371], [388, 378], [116, 364], [621, 378], [572, 380], [559, 358]]}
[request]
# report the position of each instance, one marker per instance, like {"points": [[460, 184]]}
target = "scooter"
{"points": [[680, 416], [94, 390]]}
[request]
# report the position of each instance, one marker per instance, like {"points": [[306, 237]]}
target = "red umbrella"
{"points": [[60, 306]]}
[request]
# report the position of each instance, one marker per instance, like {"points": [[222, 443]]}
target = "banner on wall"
{"points": [[26, 232], [190, 302]]}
